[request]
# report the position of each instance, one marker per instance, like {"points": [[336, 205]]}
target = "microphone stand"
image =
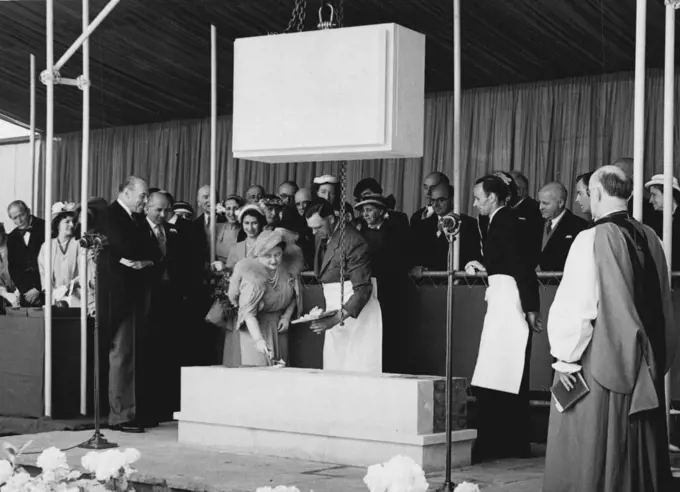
{"points": [[97, 441], [450, 224]]}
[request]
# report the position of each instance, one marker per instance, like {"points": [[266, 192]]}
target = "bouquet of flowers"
{"points": [[109, 471], [222, 307]]}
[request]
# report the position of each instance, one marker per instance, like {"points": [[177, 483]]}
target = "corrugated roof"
{"points": [[150, 58]]}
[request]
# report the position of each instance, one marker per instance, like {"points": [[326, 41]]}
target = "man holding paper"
{"points": [[611, 327]]}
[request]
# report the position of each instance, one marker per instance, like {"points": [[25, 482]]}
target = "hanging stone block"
{"points": [[339, 94]]}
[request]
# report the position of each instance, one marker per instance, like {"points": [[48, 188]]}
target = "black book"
{"points": [[566, 399]]}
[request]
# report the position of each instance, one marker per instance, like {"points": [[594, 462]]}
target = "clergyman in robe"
{"points": [[612, 321]]}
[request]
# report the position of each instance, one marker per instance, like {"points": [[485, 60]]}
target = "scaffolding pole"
{"points": [[639, 117], [668, 114], [49, 140], [213, 138], [84, 183]]}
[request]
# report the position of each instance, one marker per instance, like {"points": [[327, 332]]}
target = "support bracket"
{"points": [[54, 76]]}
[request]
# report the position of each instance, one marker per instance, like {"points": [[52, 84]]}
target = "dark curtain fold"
{"points": [[550, 131]]}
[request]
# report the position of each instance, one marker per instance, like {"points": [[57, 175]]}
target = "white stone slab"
{"points": [[338, 417], [339, 94]]}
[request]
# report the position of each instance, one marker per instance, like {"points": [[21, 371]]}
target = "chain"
{"points": [[343, 193], [297, 18], [339, 13]]}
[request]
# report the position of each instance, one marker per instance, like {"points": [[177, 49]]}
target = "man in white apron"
{"points": [[501, 378], [356, 345]]}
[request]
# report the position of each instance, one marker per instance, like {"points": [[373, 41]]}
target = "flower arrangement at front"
{"points": [[106, 471], [222, 308]]}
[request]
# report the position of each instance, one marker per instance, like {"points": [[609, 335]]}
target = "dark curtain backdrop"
{"points": [[550, 131]]}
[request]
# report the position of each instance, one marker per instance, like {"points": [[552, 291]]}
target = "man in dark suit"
{"points": [[132, 261], [168, 283], [529, 215], [501, 378], [23, 246], [430, 244], [560, 227]]}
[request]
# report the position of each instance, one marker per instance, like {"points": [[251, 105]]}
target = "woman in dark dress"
{"points": [[389, 247]]}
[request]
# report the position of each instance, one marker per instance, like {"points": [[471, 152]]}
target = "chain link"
{"points": [[297, 19], [343, 193], [339, 13]]}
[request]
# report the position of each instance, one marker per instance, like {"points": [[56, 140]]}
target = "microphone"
{"points": [[450, 224]]}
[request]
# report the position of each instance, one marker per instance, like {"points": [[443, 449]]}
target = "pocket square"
{"points": [[522, 218], [569, 237]]}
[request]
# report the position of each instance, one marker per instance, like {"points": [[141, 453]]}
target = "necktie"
{"points": [[548, 227], [26, 230], [320, 254], [162, 243]]}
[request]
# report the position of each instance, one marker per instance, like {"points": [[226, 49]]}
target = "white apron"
{"points": [[357, 346], [500, 363]]}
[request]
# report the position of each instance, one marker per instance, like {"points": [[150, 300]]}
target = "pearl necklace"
{"points": [[273, 280]]}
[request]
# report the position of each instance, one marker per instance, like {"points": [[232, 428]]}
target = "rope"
{"points": [[343, 193]]}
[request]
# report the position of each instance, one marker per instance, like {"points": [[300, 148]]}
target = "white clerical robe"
{"points": [[570, 322]]}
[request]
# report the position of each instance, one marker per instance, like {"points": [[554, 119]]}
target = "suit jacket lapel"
{"points": [[330, 254]]}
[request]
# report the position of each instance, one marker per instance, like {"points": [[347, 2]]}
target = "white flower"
{"points": [[467, 487], [19, 482], [219, 209], [400, 474], [52, 459], [57, 207], [278, 488], [6, 471], [110, 464]]}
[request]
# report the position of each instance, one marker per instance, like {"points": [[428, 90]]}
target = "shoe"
{"points": [[129, 427]]}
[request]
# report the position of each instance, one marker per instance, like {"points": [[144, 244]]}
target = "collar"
{"points": [[125, 207], [519, 202], [556, 220], [491, 216], [173, 220], [153, 226], [376, 227]]}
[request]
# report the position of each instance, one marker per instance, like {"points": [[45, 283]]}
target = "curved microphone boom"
{"points": [[450, 224]]}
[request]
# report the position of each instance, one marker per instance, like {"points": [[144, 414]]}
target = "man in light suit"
{"points": [[23, 246], [131, 262]]}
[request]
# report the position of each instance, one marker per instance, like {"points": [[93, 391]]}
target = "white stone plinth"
{"points": [[336, 417]]}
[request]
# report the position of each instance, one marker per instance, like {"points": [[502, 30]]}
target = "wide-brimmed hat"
{"points": [[377, 200], [658, 180]]}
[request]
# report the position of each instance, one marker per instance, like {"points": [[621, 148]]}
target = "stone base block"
{"points": [[334, 417]]}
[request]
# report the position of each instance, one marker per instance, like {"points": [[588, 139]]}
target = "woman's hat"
{"points": [[658, 179], [251, 206], [377, 200], [63, 207], [326, 179], [239, 201], [183, 207], [271, 201]]}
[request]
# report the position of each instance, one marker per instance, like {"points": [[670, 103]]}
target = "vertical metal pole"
{"points": [[448, 486], [31, 138], [668, 114], [213, 137], [639, 125], [456, 124], [84, 182], [49, 136]]}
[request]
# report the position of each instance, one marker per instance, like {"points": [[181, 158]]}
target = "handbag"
{"points": [[217, 316]]}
